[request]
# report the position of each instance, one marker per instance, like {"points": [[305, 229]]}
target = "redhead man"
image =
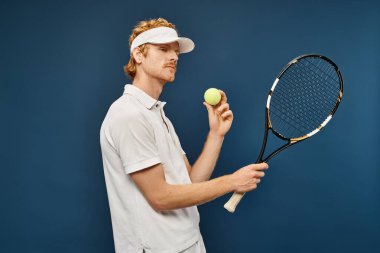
{"points": [[153, 190]]}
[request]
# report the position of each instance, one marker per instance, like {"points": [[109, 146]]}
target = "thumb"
{"points": [[209, 108]]}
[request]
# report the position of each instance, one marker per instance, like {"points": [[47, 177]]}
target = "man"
{"points": [[152, 189]]}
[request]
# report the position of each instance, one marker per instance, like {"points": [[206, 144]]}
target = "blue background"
{"points": [[61, 68]]}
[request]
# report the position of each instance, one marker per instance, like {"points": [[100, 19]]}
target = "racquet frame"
{"points": [[236, 197]]}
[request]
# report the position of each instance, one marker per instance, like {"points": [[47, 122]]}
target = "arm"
{"points": [[205, 164], [163, 196], [220, 120]]}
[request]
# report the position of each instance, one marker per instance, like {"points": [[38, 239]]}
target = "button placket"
{"points": [[162, 114]]}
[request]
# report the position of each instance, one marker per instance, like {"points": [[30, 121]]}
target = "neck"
{"points": [[152, 87]]}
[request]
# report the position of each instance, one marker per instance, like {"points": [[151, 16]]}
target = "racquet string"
{"points": [[305, 95]]}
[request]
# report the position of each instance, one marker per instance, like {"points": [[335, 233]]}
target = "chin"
{"points": [[169, 79]]}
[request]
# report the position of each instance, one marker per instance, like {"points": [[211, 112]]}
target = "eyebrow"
{"points": [[168, 46]]}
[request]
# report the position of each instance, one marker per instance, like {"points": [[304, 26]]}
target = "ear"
{"points": [[137, 55]]}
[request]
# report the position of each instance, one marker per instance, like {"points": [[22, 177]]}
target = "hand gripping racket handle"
{"points": [[233, 202]]}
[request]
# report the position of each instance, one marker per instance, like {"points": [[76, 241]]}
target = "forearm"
{"points": [[205, 164], [180, 196]]}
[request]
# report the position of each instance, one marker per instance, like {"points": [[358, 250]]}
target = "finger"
{"points": [[226, 114], [222, 108], [209, 108], [260, 166], [259, 174], [256, 167], [224, 97], [254, 186]]}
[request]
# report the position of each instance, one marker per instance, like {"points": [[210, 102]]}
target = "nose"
{"points": [[174, 56]]}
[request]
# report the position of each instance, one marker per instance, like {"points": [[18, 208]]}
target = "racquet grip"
{"points": [[233, 202]]}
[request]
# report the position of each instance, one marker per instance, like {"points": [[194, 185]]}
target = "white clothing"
{"points": [[135, 135]]}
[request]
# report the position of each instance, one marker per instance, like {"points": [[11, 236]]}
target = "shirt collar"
{"points": [[142, 97]]}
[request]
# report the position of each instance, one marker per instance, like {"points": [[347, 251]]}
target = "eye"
{"points": [[163, 49]]}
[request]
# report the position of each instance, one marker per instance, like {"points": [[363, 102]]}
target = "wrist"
{"points": [[215, 136], [229, 183]]}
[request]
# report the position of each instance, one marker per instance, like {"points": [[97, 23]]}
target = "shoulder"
{"points": [[127, 112], [124, 108]]}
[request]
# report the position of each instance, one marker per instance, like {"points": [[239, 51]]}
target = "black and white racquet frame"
{"points": [[302, 100]]}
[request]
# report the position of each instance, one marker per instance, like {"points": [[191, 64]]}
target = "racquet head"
{"points": [[304, 97], [302, 100]]}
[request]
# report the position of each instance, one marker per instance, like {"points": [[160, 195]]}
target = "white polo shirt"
{"points": [[136, 134]]}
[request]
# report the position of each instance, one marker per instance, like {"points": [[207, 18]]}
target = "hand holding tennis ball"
{"points": [[219, 114], [212, 96]]}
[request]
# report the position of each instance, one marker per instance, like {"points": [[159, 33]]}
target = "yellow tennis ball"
{"points": [[212, 96]]}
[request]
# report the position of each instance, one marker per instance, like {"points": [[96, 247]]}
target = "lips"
{"points": [[171, 66]]}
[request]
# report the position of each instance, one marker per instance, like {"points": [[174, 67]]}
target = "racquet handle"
{"points": [[233, 202]]}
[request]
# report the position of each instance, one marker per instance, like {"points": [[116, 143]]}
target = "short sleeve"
{"points": [[135, 142]]}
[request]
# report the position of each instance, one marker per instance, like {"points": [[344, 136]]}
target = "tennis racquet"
{"points": [[302, 100]]}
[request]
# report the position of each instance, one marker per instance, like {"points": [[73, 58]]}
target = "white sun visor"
{"points": [[163, 35]]}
